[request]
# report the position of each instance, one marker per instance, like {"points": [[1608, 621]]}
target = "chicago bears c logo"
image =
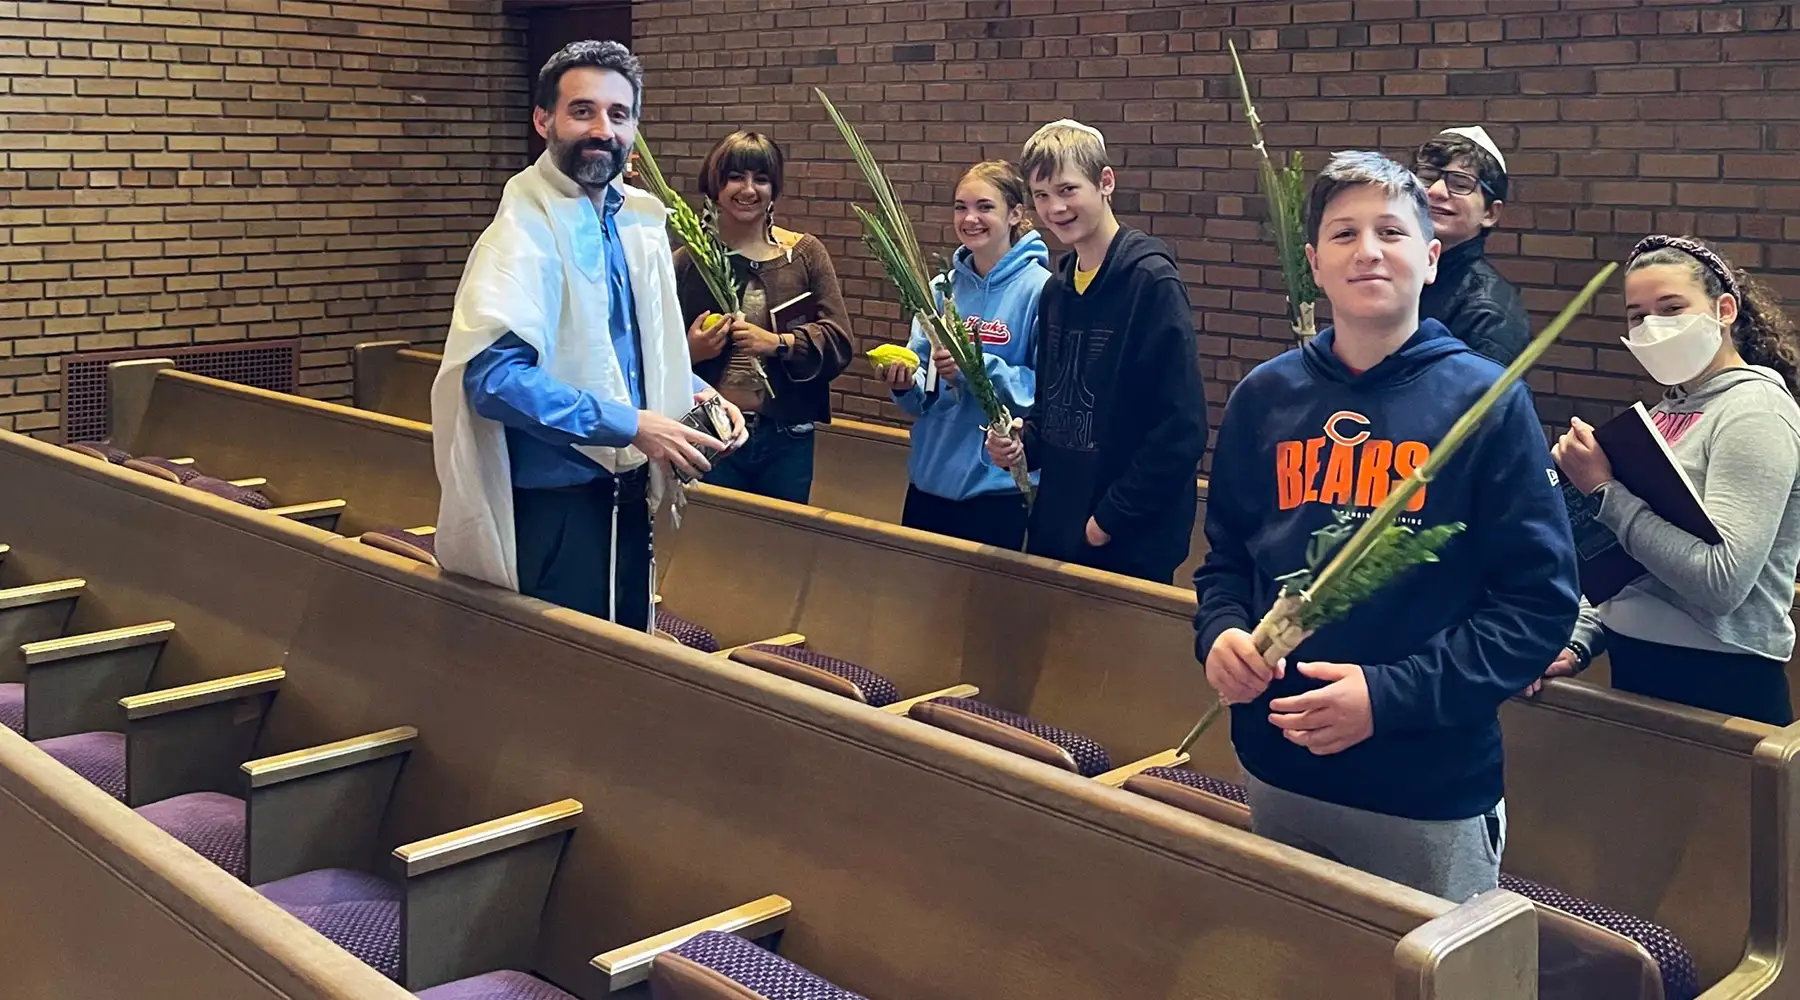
{"points": [[1350, 417]]}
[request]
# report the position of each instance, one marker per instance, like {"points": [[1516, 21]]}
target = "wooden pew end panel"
{"points": [[1486, 948], [321, 807], [758, 920], [33, 613], [474, 896], [73, 684], [195, 737]]}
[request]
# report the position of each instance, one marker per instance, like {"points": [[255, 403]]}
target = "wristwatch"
{"points": [[1583, 656]]}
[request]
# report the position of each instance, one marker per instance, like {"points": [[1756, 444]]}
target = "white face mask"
{"points": [[1674, 349]]}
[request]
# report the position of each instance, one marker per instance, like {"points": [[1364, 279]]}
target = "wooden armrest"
{"points": [[305, 763], [1189, 799], [253, 483], [474, 896], [629, 965], [421, 857], [804, 673], [153, 471], [191, 696], [184, 460], [321, 807], [994, 734], [954, 691], [193, 738], [1166, 758], [68, 647], [423, 529], [785, 639], [318, 513], [41, 593], [73, 684]]}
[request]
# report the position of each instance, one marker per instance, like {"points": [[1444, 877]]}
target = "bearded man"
{"points": [[556, 413]]}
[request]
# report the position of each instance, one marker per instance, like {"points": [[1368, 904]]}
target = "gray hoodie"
{"points": [[1737, 435]]}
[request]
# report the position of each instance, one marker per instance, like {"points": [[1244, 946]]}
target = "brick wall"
{"points": [[1618, 117], [223, 170]]}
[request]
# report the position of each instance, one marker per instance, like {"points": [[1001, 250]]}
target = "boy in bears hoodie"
{"points": [[1377, 743], [1119, 425]]}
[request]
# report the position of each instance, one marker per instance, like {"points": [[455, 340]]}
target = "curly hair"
{"points": [[1763, 334]]}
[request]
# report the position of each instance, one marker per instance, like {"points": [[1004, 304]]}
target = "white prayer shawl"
{"points": [[539, 272]]}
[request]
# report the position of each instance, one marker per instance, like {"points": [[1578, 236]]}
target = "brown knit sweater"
{"points": [[822, 346]]}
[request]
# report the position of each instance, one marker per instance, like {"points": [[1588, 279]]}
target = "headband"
{"points": [[1695, 249]]}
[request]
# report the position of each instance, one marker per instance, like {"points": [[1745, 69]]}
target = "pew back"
{"points": [[1111, 658], [858, 468]]}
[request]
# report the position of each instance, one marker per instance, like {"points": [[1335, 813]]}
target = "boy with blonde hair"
{"points": [[1119, 424]]}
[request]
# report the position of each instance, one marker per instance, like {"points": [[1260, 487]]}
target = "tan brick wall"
{"points": [[225, 170], [1618, 117]]}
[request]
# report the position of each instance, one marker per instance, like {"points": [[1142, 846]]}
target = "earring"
{"points": [[709, 217], [769, 225]]}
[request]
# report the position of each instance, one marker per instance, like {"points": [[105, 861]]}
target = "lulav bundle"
{"points": [[1285, 191], [889, 235]]}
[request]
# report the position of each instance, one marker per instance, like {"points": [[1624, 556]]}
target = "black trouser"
{"points": [[1740, 684], [990, 518], [566, 539]]}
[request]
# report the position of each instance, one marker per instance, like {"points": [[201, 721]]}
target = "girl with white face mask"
{"points": [[1708, 625]]}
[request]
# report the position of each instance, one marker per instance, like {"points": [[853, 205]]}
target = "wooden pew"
{"points": [[859, 468], [1112, 658], [699, 800]]}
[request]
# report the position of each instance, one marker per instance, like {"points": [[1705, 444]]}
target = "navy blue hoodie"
{"points": [[1443, 645]]}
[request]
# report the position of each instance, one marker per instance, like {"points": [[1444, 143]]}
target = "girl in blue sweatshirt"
{"points": [[954, 488]]}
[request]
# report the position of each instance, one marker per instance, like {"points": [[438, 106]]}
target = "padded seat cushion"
{"points": [[686, 632], [98, 757], [403, 543], [504, 985], [358, 912], [1681, 981], [876, 689], [1200, 782], [12, 707], [1089, 757], [162, 468], [102, 451], [236, 494], [209, 822], [716, 964]]}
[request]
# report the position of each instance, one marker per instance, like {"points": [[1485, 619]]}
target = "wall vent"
{"points": [[265, 364]]}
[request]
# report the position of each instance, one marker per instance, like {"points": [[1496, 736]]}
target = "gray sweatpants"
{"points": [[1455, 859]]}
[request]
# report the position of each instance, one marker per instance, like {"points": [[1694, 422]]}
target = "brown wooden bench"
{"points": [[1111, 658], [859, 468], [922, 865]]}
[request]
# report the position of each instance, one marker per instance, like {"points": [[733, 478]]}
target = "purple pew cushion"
{"points": [[358, 912], [236, 494], [1090, 757], [209, 822], [185, 473], [505, 985], [686, 632], [98, 757], [1681, 981], [758, 969], [1193, 779], [12, 707], [102, 450], [401, 542], [876, 689]]}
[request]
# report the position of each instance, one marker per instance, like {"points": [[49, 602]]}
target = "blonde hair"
{"points": [[1064, 144], [1006, 179]]}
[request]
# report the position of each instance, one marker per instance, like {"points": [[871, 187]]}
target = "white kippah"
{"points": [[1071, 123], [1479, 136]]}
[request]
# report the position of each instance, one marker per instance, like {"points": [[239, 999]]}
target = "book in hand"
{"points": [[1642, 463]]}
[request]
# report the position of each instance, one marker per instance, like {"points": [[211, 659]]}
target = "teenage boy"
{"points": [[1465, 178], [1119, 425], [1377, 743]]}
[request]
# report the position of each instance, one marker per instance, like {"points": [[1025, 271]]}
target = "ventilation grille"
{"points": [[265, 364]]}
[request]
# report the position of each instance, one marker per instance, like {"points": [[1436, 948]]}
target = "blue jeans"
{"points": [[776, 462]]}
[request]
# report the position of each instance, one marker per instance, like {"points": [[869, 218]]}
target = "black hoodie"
{"points": [[1119, 425]]}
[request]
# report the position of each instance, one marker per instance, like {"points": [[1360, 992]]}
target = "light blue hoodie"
{"points": [[949, 454]]}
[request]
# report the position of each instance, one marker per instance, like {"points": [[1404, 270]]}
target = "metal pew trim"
{"points": [[1119, 775], [629, 965], [193, 738], [73, 684], [321, 807]]}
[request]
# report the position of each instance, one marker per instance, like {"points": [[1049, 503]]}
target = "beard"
{"points": [[590, 171]]}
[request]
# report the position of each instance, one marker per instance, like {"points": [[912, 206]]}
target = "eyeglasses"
{"points": [[1456, 180]]}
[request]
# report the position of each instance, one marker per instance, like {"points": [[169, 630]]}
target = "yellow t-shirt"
{"points": [[1083, 279]]}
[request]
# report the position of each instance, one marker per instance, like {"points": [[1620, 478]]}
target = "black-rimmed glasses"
{"points": [[1457, 181]]}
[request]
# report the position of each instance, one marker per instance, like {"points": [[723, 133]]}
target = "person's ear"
{"points": [[1312, 261], [541, 120], [1491, 217], [1432, 251], [1728, 310], [1108, 181]]}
